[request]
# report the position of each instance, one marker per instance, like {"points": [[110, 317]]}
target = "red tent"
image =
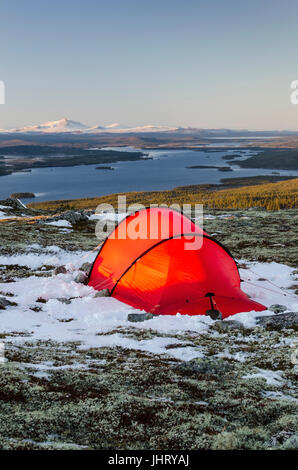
{"points": [[161, 273]]}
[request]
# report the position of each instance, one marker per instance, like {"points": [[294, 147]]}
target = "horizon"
{"points": [[207, 66], [121, 126]]}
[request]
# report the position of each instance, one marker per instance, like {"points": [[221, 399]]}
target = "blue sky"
{"points": [[191, 63]]}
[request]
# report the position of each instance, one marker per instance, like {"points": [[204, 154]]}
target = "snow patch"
{"points": [[59, 223], [271, 377], [53, 256], [93, 320]]}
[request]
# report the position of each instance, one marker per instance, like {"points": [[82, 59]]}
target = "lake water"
{"points": [[166, 170]]}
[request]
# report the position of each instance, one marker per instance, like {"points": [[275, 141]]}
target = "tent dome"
{"points": [[160, 272]]}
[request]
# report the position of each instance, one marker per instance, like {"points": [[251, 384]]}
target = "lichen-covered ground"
{"points": [[235, 387]]}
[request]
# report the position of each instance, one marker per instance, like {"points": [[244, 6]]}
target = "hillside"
{"points": [[284, 159], [271, 196], [79, 375]]}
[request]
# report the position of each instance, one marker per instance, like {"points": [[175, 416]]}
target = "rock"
{"points": [[14, 204], [256, 208], [3, 303], [227, 326], [279, 438], [137, 317], [86, 267], [59, 270], [74, 216], [81, 278], [64, 300], [279, 322], [225, 168], [22, 195], [205, 366], [6, 303], [104, 168], [291, 443], [277, 308], [103, 293]]}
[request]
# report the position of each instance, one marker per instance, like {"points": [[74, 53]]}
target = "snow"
{"points": [[62, 125], [93, 320], [91, 317], [52, 256], [236, 356], [67, 125], [59, 223], [5, 216], [279, 396], [273, 290], [22, 204], [271, 377], [43, 369], [116, 217]]}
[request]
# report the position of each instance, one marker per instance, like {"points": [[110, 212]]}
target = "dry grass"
{"points": [[272, 196]]}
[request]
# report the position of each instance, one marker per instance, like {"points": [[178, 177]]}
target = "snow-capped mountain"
{"points": [[67, 125], [62, 125]]}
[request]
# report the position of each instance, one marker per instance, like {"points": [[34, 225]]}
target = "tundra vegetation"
{"points": [[56, 395], [270, 196]]}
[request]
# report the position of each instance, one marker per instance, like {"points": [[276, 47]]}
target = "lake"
{"points": [[165, 169]]}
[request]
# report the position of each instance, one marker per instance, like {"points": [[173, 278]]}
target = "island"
{"points": [[280, 159], [22, 195], [104, 168], [27, 157], [204, 167]]}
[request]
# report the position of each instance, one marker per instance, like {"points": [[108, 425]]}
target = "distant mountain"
{"points": [[62, 125], [68, 126]]}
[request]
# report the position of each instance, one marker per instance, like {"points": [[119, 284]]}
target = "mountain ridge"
{"points": [[65, 125]]}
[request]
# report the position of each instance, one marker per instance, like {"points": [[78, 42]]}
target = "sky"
{"points": [[210, 64]]}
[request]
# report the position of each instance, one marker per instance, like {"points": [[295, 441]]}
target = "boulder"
{"points": [[81, 278], [137, 317], [59, 270], [14, 204], [41, 300], [6, 303], [103, 293], [74, 216], [86, 267], [279, 322], [286, 438], [277, 308], [291, 443], [64, 300]]}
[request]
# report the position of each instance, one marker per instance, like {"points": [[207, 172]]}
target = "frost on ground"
{"points": [[78, 375]]}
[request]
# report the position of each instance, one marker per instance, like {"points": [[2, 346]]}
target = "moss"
{"points": [[126, 399], [116, 398], [243, 438]]}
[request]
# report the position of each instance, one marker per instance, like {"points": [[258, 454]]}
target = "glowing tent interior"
{"points": [[159, 261]]}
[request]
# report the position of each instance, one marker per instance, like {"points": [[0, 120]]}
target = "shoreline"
{"points": [[272, 192], [22, 158]]}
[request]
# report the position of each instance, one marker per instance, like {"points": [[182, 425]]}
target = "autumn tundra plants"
{"points": [[270, 196]]}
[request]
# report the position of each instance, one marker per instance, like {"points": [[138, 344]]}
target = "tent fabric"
{"points": [[120, 250], [162, 277]]}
